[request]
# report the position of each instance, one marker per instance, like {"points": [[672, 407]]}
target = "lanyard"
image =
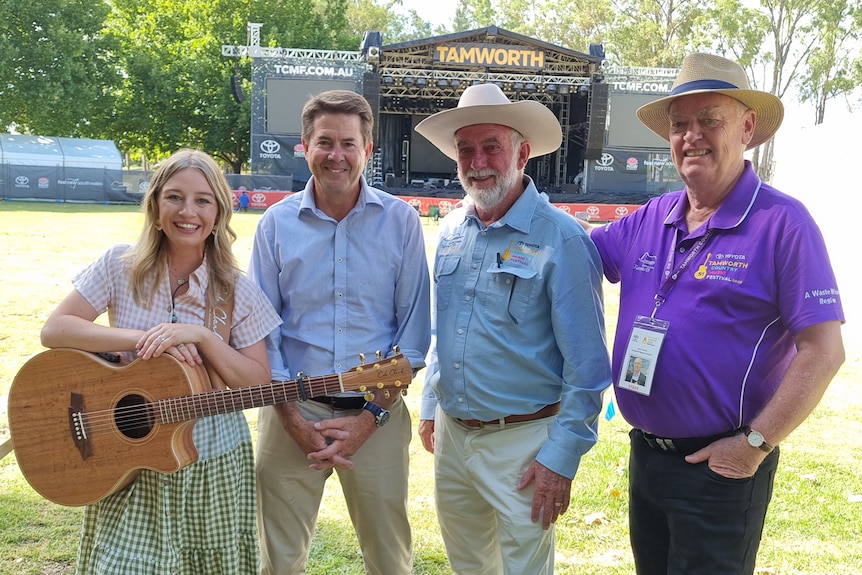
{"points": [[670, 275]]}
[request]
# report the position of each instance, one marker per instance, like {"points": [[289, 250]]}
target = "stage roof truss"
{"points": [[262, 52]]}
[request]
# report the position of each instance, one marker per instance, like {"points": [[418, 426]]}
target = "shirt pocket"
{"points": [[513, 289], [444, 280]]}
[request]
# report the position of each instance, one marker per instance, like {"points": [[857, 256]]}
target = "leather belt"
{"points": [[680, 445], [547, 411], [338, 402]]}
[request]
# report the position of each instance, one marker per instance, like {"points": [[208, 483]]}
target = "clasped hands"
{"points": [[330, 443]]}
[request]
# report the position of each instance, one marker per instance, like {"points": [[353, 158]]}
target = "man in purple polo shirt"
{"points": [[727, 292]]}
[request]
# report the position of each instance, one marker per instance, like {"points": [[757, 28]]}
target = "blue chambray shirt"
{"points": [[342, 287], [514, 333]]}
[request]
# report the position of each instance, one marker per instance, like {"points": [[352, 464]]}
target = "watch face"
{"points": [[383, 418], [755, 439]]}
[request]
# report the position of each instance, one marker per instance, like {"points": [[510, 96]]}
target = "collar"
{"points": [[733, 209], [367, 195]]}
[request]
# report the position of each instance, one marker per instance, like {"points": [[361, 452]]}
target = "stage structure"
{"points": [[635, 162], [408, 81]]}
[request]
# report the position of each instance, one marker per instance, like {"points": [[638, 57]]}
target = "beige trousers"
{"points": [[484, 519], [289, 494]]}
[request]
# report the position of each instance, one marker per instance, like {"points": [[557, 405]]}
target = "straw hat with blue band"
{"points": [[705, 73], [487, 104]]}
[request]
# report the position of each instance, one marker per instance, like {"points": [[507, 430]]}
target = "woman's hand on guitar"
{"points": [[178, 340]]}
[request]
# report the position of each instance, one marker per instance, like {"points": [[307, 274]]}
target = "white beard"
{"points": [[488, 198]]}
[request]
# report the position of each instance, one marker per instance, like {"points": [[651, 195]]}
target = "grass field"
{"points": [[814, 524]]}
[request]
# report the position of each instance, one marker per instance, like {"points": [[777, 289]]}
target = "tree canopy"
{"points": [[149, 74]]}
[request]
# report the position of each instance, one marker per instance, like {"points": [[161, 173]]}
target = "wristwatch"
{"points": [[755, 439], [381, 416]]}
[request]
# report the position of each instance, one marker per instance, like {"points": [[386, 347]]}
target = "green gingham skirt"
{"points": [[199, 520]]}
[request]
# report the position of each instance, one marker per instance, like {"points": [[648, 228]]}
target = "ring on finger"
{"points": [[162, 338], [558, 504], [181, 344]]}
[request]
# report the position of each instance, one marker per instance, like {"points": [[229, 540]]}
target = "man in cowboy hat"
{"points": [[737, 309], [518, 360]]}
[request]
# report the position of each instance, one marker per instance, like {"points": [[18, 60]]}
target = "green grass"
{"points": [[814, 521]]}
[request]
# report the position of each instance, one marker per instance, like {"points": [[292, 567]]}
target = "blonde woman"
{"points": [[200, 519]]}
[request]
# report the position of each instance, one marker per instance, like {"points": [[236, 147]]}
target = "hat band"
{"points": [[702, 85]]}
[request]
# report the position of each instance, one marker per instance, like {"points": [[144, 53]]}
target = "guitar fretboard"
{"points": [[173, 410]]}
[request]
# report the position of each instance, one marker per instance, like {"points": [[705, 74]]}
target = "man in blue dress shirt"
{"points": [[344, 264], [518, 360]]}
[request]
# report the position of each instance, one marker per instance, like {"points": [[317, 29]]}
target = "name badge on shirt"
{"points": [[641, 357]]}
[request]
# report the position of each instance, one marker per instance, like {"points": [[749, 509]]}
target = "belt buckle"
{"points": [[666, 444]]}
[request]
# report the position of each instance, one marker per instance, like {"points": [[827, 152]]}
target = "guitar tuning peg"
{"points": [[369, 396], [379, 354], [362, 358], [386, 394], [396, 349]]}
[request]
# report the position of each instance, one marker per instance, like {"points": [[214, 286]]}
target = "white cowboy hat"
{"points": [[705, 73], [487, 104]]}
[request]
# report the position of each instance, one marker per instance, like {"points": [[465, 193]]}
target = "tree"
{"points": [[831, 69], [472, 14], [177, 86], [574, 24], [652, 32], [56, 67]]}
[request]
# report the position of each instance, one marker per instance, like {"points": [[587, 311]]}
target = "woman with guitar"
{"points": [[179, 291]]}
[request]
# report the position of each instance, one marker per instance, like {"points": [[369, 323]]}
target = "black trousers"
{"points": [[685, 519]]}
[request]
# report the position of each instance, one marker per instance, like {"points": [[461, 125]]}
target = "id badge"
{"points": [[641, 356]]}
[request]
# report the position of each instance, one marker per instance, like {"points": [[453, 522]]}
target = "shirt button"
{"points": [[508, 280], [460, 400], [467, 298], [460, 332], [682, 250], [457, 366], [341, 295], [474, 266]]}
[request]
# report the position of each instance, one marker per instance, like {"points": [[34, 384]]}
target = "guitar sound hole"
{"points": [[132, 417]]}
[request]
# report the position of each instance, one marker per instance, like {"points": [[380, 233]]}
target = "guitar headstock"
{"points": [[385, 374]]}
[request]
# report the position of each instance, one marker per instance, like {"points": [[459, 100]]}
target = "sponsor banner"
{"points": [[272, 154], [592, 212], [258, 200]]}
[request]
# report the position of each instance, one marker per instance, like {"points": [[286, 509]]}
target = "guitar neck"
{"points": [[175, 409]]}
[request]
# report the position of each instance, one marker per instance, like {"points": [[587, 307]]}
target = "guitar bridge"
{"points": [[78, 429]]}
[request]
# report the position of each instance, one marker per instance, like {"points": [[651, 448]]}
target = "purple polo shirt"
{"points": [[762, 277]]}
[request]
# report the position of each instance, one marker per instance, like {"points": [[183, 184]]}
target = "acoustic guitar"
{"points": [[84, 428]]}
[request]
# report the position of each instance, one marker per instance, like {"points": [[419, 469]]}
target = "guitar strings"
{"points": [[188, 407]]}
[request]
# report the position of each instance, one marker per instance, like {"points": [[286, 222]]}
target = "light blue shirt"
{"points": [[342, 287], [519, 324]]}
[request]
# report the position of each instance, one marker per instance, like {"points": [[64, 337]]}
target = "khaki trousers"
{"points": [[484, 519], [289, 494]]}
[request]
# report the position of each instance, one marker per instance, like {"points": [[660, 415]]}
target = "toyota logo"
{"points": [[566, 209], [269, 146], [593, 210], [621, 211], [606, 160], [22, 180], [258, 198]]}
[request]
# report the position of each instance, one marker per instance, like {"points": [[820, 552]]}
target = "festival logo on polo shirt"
{"points": [[646, 263], [723, 267]]}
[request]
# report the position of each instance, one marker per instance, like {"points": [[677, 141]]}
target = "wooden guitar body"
{"points": [[123, 437], [84, 428]]}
